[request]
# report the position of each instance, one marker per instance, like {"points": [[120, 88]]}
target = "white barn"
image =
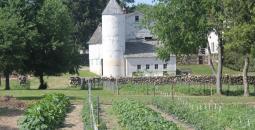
{"points": [[120, 47]]}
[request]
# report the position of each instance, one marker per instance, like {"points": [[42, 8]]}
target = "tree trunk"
{"points": [[7, 80], [245, 78], [43, 85], [219, 71]]}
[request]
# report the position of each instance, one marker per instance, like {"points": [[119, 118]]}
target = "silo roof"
{"points": [[112, 8]]}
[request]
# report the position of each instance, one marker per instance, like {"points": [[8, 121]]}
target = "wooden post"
{"points": [[173, 91], [117, 87], [204, 89], [211, 89], [98, 120], [154, 93], [228, 86]]}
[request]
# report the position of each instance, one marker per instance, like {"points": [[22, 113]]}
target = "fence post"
{"points": [[98, 120], [117, 87], [173, 90], [204, 89], [211, 89], [154, 93]]}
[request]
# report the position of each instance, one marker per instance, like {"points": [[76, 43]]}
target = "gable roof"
{"points": [[97, 36], [112, 8]]}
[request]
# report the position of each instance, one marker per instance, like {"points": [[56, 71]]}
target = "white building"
{"points": [[120, 47], [213, 41]]}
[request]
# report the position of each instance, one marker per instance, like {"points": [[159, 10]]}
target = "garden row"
{"points": [[135, 116], [88, 119], [209, 116], [47, 114], [181, 89]]}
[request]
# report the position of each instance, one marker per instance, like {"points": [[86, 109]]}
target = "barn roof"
{"points": [[112, 8], [140, 49], [97, 36]]}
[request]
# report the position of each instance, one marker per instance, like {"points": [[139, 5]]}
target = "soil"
{"points": [[173, 119], [10, 112], [73, 119], [107, 115]]}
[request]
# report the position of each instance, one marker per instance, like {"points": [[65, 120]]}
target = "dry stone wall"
{"points": [[236, 80]]}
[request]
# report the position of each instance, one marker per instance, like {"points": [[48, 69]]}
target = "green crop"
{"points": [[46, 114], [209, 116], [135, 116]]}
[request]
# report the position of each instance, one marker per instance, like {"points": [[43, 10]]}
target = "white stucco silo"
{"points": [[113, 40]]}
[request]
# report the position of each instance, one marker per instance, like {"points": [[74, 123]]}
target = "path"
{"points": [[9, 118], [173, 119], [73, 119], [109, 118]]}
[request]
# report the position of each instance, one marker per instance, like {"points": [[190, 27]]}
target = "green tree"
{"points": [[14, 34], [86, 15], [241, 33], [52, 51], [182, 28]]}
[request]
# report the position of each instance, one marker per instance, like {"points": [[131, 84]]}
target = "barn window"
{"points": [[138, 67], [165, 66], [148, 38], [147, 66], [156, 66], [136, 18]]}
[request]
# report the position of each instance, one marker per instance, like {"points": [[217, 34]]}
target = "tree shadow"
{"points": [[10, 112], [7, 128]]}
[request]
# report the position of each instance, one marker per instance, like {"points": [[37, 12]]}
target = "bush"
{"points": [[47, 114]]}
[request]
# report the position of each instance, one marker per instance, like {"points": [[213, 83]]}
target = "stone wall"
{"points": [[237, 80]]}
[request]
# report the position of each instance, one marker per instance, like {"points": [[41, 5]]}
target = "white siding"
{"points": [[213, 42], [131, 66], [95, 56]]}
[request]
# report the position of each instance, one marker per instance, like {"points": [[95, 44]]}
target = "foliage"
{"points": [[52, 51], [86, 15], [135, 115], [86, 117], [234, 60], [14, 34], [210, 116], [46, 114], [179, 25]]}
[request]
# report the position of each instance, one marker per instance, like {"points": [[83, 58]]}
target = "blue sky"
{"points": [[143, 1]]}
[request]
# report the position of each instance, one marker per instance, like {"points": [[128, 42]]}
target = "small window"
{"points": [[165, 66], [136, 18], [147, 67], [138, 67], [156, 66], [148, 38]]}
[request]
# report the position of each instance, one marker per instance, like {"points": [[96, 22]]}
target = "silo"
{"points": [[113, 40]]}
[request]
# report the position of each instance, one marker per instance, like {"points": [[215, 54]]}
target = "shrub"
{"points": [[46, 114]]}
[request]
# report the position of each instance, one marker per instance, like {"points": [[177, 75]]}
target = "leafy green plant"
{"points": [[135, 116], [46, 114]]}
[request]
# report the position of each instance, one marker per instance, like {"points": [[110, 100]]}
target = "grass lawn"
{"points": [[206, 70], [86, 73]]}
